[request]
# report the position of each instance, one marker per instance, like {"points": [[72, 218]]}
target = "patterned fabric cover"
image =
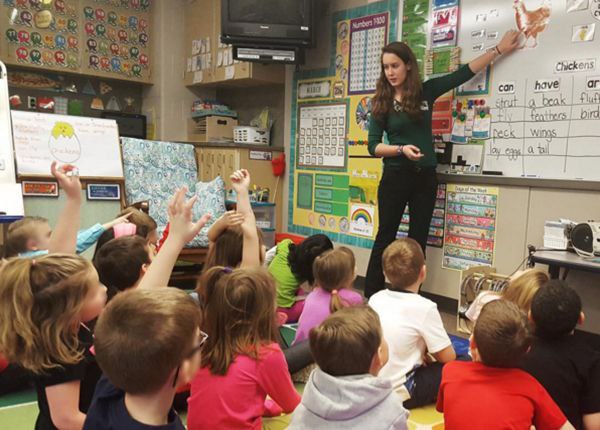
{"points": [[211, 200], [154, 170]]}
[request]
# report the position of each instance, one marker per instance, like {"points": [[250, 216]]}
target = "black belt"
{"points": [[413, 168]]}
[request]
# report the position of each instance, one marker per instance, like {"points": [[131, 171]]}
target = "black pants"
{"points": [[399, 186], [426, 386]]}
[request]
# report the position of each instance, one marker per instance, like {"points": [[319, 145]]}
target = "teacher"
{"points": [[402, 107]]}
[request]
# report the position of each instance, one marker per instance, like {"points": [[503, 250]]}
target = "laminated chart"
{"points": [[470, 232], [368, 35]]}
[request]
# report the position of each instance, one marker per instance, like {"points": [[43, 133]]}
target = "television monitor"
{"points": [[267, 22], [130, 124]]}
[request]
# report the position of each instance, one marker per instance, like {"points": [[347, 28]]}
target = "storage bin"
{"points": [[211, 129], [251, 135]]}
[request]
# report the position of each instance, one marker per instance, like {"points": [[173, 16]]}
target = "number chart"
{"points": [[367, 38]]}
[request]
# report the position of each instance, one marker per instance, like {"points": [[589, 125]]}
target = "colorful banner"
{"points": [[470, 226]]}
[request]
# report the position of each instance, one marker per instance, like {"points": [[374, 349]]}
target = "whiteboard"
{"points": [[91, 144], [7, 162], [545, 99]]}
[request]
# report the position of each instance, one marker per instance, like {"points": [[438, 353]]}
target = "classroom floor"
{"points": [[18, 411]]}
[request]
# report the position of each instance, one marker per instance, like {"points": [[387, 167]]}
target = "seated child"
{"points": [[141, 376], [344, 392], [145, 227], [125, 262], [235, 241], [121, 263], [334, 276], [45, 304], [412, 326], [241, 363], [30, 236], [292, 266], [490, 392], [565, 365], [520, 290]]}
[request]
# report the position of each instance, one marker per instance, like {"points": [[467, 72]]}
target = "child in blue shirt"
{"points": [[30, 236]]}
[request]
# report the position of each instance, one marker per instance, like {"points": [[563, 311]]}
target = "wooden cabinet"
{"points": [[216, 160], [213, 162], [208, 62]]}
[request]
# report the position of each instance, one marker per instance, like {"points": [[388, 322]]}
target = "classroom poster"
{"points": [[470, 232], [335, 179], [415, 20]]}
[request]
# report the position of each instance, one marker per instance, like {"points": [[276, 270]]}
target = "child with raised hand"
{"points": [[148, 343], [182, 230], [228, 220], [32, 235], [491, 392], [241, 363], [334, 276], [235, 239], [44, 306], [292, 266], [561, 360]]}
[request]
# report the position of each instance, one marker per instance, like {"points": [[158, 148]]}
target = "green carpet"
{"points": [[19, 417], [12, 399]]}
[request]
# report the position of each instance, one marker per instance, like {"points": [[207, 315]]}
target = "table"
{"points": [[564, 259]]}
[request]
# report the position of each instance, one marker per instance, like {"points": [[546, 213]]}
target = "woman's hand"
{"points": [[509, 42], [412, 152]]}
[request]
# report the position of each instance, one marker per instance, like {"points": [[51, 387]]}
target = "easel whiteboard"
{"points": [[545, 99], [7, 161], [91, 144]]}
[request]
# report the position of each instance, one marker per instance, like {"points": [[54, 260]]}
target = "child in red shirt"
{"points": [[241, 362], [490, 392]]}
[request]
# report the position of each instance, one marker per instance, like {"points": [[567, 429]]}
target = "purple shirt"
{"points": [[316, 309]]}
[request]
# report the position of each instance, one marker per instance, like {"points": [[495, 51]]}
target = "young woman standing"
{"points": [[402, 108]]}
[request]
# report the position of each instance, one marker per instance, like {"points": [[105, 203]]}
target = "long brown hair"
{"points": [[40, 303], [228, 249], [239, 315], [333, 270], [412, 88]]}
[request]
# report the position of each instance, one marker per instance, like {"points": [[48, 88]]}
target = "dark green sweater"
{"points": [[402, 130]]}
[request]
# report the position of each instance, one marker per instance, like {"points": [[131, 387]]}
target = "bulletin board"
{"points": [[544, 97], [334, 178], [105, 38]]}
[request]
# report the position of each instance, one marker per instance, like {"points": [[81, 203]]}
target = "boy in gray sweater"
{"points": [[344, 391]]}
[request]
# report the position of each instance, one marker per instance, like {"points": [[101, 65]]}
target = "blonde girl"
{"points": [[44, 306], [520, 290]]}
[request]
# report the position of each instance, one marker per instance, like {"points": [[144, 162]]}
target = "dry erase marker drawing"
{"points": [[63, 143]]}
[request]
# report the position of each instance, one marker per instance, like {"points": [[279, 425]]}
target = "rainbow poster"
{"points": [[362, 219]]}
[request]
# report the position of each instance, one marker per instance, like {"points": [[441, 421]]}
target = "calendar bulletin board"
{"points": [[334, 185]]}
